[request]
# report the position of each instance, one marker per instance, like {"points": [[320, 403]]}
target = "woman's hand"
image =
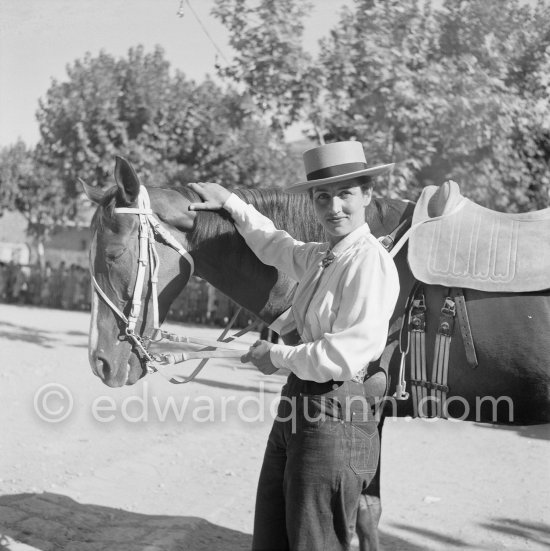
{"points": [[259, 356], [213, 196]]}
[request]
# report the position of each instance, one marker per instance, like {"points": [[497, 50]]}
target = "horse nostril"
{"points": [[102, 368]]}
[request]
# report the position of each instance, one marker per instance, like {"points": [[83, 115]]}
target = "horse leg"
{"points": [[369, 510]]}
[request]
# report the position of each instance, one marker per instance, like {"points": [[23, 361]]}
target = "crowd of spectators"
{"points": [[66, 287], [69, 288], [202, 304]]}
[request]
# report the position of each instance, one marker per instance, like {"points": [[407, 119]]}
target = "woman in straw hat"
{"points": [[323, 449]]}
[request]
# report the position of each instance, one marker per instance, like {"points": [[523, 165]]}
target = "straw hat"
{"points": [[336, 162]]}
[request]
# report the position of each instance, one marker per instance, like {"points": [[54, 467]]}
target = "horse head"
{"points": [[123, 297]]}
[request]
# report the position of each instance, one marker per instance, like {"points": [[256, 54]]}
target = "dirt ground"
{"points": [[161, 467]]}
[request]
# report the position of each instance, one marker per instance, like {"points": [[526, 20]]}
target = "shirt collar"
{"points": [[350, 239]]}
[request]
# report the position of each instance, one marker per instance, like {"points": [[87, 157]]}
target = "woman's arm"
{"points": [[272, 246]]}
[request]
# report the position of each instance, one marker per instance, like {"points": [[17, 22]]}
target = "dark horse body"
{"points": [[511, 331]]}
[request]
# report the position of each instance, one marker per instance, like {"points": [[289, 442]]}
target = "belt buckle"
{"points": [[360, 375]]}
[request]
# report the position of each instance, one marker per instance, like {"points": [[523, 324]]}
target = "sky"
{"points": [[38, 38]]}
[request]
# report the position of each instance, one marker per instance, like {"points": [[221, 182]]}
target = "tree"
{"points": [[171, 128], [270, 61], [34, 190], [458, 90]]}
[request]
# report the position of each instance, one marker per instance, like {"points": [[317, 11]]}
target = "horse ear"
{"points": [[127, 180], [94, 194]]}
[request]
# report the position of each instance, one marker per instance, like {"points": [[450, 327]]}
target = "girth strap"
{"points": [[430, 395], [440, 367], [417, 335]]}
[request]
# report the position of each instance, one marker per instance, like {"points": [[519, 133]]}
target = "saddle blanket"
{"points": [[455, 242]]}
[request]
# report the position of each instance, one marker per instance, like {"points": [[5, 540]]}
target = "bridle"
{"points": [[149, 228]]}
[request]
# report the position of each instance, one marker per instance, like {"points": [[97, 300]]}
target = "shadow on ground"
{"points": [[51, 522], [534, 532], [24, 334], [46, 339], [533, 432], [518, 533], [430, 539]]}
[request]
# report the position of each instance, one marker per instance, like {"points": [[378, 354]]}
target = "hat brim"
{"points": [[300, 187]]}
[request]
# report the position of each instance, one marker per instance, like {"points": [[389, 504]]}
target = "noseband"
{"points": [[149, 227]]}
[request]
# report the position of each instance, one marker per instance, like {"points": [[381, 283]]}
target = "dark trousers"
{"points": [[321, 454]]}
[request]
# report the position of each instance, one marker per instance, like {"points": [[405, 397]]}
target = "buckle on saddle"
{"points": [[387, 242], [418, 314], [449, 307], [447, 318]]}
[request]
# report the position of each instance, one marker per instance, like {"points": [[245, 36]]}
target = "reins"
{"points": [[149, 228]]}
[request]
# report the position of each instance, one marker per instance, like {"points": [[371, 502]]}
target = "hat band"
{"points": [[336, 170]]}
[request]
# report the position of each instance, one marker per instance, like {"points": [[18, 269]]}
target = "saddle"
{"points": [[457, 243]]}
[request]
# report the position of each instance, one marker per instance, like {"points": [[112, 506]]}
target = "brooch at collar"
{"points": [[328, 260]]}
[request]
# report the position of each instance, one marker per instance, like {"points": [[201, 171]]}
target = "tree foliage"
{"points": [[453, 90], [269, 57], [172, 128], [33, 189]]}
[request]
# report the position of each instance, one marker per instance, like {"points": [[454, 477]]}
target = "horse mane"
{"points": [[377, 210], [383, 215], [294, 213]]}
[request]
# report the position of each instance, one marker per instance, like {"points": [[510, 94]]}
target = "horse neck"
{"points": [[224, 260], [238, 274]]}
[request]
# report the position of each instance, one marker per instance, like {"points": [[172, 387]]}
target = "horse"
{"points": [[512, 356]]}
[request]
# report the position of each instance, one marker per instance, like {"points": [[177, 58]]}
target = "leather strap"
{"points": [[417, 328], [404, 346], [440, 367], [222, 338], [434, 391], [388, 241], [465, 329]]}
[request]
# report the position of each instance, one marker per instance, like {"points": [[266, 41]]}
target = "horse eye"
{"points": [[114, 254]]}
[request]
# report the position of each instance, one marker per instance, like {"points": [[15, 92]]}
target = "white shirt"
{"points": [[343, 318]]}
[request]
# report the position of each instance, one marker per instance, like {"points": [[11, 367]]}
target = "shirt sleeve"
{"points": [[272, 246], [359, 332]]}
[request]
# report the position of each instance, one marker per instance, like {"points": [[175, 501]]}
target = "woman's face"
{"points": [[340, 208]]}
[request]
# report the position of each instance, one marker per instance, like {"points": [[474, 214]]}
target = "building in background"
{"points": [[69, 244], [15, 246]]}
